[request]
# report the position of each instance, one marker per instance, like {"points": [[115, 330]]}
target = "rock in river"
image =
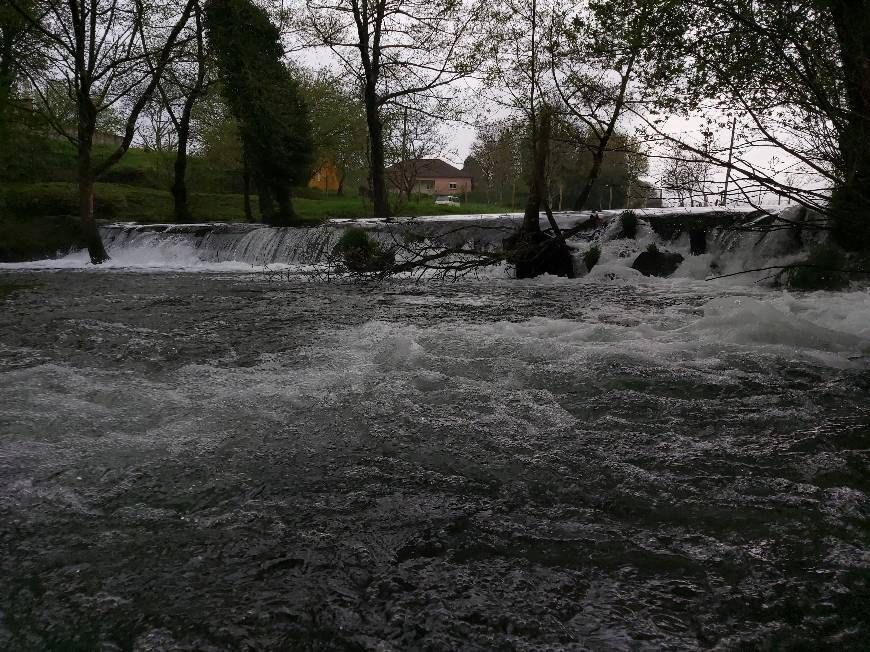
{"points": [[657, 263]]}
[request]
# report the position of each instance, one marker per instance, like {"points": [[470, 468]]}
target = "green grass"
{"points": [[122, 202]]}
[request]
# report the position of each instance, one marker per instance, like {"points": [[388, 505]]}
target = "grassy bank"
{"points": [[122, 202], [38, 220]]}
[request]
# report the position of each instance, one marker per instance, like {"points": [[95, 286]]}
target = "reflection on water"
{"points": [[202, 461]]}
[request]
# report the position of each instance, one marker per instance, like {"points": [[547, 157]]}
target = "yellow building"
{"points": [[325, 178]]}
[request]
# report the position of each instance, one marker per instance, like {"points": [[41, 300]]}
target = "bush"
{"points": [[652, 248], [823, 269], [362, 253], [35, 239], [629, 224], [591, 257]]}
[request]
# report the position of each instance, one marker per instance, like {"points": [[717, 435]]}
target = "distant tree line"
{"points": [[569, 96]]}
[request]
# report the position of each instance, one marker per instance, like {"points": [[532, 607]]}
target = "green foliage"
{"points": [[652, 248], [362, 253], [338, 122], [38, 238], [264, 97], [823, 269], [628, 219], [591, 257]]}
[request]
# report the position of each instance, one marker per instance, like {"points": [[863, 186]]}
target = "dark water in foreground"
{"points": [[209, 462]]}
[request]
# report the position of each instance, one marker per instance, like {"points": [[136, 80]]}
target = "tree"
{"points": [[516, 72], [497, 151], [19, 45], [605, 53], [414, 135], [396, 49], [338, 123], [796, 78], [265, 99], [106, 56], [184, 85]]}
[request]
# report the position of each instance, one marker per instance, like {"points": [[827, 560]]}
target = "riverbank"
{"points": [[38, 220]]}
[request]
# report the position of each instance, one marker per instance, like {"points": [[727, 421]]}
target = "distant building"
{"points": [[428, 176], [325, 178]]}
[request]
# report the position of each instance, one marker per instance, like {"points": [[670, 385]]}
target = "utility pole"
{"points": [[730, 158]]}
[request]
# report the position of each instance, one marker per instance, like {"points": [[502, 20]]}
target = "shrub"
{"points": [[591, 257], [652, 248], [38, 238], [823, 269], [629, 224], [362, 253]]}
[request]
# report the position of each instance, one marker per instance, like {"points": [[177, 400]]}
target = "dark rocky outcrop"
{"points": [[534, 254], [697, 241], [657, 263], [670, 225]]}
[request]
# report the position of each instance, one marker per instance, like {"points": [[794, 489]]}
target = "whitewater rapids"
{"points": [[195, 456]]}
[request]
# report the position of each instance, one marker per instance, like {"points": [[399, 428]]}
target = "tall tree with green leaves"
{"points": [[338, 124], [18, 41], [266, 101]]}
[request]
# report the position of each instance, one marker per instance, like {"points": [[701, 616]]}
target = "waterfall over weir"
{"points": [[731, 238], [218, 243], [257, 244]]}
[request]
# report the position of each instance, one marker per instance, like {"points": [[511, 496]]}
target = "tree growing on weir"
{"points": [[105, 56], [265, 99], [517, 74], [409, 51]]}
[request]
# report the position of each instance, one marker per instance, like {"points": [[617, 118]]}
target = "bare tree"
{"points": [[183, 85], [108, 55], [414, 135], [397, 50]]}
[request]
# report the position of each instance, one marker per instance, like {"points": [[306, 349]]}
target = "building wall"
{"points": [[443, 186], [326, 178], [440, 186], [425, 186]]}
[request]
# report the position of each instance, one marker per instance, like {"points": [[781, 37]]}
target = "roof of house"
{"points": [[431, 168]]}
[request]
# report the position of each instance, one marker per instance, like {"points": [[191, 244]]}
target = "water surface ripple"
{"points": [[217, 461]]}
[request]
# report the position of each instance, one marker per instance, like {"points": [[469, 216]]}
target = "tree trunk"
{"points": [[340, 191], [264, 197], [86, 128], [179, 186], [532, 251], [286, 214], [851, 201], [380, 203], [597, 161], [246, 183], [90, 233], [5, 83]]}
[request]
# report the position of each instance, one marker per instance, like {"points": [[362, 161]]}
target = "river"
{"points": [[220, 459]]}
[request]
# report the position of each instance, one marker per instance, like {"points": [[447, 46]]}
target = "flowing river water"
{"points": [[217, 459]]}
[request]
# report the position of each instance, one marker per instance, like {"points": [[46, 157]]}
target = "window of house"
{"points": [[452, 186]]}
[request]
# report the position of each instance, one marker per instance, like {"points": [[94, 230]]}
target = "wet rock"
{"points": [[698, 242], [657, 263], [534, 254]]}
